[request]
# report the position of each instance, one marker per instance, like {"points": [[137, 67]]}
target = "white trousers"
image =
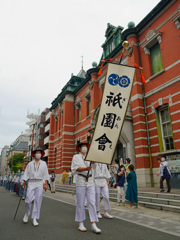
{"points": [[53, 186], [105, 193], [34, 194], [81, 193], [121, 194]]}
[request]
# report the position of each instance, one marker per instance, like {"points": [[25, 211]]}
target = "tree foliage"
{"points": [[17, 161]]}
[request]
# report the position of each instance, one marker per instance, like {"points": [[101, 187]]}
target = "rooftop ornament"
{"points": [[94, 64], [131, 25]]}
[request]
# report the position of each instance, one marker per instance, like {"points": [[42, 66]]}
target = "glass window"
{"points": [[88, 139], [39, 148], [111, 46], [89, 106], [156, 59], [166, 129], [40, 136], [41, 125]]}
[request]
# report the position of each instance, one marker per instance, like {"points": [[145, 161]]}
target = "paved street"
{"points": [[57, 222]]}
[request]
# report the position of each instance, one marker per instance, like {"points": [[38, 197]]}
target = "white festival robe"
{"points": [[101, 174], [35, 188], [84, 189], [39, 173]]}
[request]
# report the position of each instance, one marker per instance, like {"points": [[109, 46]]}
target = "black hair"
{"points": [[117, 161], [128, 159], [122, 166]]}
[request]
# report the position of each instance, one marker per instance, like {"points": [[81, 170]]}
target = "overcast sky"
{"points": [[41, 43]]}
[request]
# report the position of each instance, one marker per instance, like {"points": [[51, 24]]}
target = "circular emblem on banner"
{"points": [[113, 79], [124, 81]]}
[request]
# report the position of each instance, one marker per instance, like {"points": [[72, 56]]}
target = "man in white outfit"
{"points": [[36, 171], [84, 187], [101, 179]]}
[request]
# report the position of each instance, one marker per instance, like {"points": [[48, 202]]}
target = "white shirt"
{"points": [[21, 179], [14, 178], [101, 174], [39, 173], [69, 174], [161, 168], [78, 161]]}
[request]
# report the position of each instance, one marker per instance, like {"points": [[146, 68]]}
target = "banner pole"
{"points": [[88, 172]]}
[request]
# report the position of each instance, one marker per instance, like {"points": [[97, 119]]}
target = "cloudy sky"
{"points": [[41, 43]]}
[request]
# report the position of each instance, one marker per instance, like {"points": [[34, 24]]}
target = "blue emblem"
{"points": [[124, 81], [113, 79]]}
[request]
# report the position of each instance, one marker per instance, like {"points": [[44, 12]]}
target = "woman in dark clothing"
{"points": [[120, 185], [132, 192]]}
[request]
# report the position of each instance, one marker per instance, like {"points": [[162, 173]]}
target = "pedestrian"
{"points": [[21, 184], [64, 177], [132, 192], [8, 182], [0, 180], [164, 167], [52, 180], [120, 185], [115, 166], [112, 179], [18, 177], [69, 176], [35, 171], [84, 187], [11, 183], [14, 181], [101, 179], [128, 162]]}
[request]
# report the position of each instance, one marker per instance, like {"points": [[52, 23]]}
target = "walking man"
{"points": [[84, 187], [164, 164], [69, 177], [101, 179], [35, 171], [52, 178]]}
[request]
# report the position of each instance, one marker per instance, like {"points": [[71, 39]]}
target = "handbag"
{"points": [[166, 174]]}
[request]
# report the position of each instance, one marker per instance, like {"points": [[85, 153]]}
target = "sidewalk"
{"points": [[140, 189]]}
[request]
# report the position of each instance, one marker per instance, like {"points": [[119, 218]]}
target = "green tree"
{"points": [[17, 162]]}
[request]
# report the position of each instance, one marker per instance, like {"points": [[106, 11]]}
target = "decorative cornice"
{"points": [[152, 38], [176, 20]]}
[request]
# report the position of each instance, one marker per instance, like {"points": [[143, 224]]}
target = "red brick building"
{"points": [[151, 127]]}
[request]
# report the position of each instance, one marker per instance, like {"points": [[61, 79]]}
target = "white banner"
{"points": [[114, 104]]}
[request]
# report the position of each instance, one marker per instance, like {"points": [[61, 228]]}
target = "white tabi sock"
{"points": [[82, 227]]}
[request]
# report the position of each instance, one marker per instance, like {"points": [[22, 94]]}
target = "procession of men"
{"points": [[91, 180]]}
